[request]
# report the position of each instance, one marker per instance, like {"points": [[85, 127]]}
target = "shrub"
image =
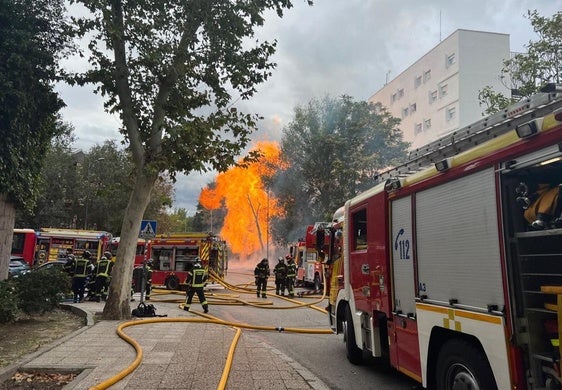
{"points": [[41, 291], [8, 301]]}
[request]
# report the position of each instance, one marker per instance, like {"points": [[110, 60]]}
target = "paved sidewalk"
{"points": [[176, 355]]}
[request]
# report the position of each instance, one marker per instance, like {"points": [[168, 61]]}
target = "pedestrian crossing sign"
{"points": [[148, 229]]}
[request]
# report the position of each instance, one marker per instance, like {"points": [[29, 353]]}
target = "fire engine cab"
{"points": [[174, 254], [450, 268], [309, 256]]}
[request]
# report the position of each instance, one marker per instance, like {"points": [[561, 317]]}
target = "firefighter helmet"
{"points": [[197, 263], [87, 255], [280, 259], [288, 257], [107, 254]]}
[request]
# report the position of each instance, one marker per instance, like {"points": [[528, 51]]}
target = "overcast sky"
{"points": [[332, 48]]}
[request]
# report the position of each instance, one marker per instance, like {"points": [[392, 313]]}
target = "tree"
{"points": [[335, 147], [527, 72], [57, 186], [173, 69], [33, 39]]}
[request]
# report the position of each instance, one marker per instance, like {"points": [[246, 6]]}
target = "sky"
{"points": [[333, 48]]}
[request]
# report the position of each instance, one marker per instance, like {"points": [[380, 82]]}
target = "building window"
{"points": [[443, 90], [413, 108], [432, 96], [426, 76], [393, 98], [427, 124], [451, 113], [417, 81], [418, 128], [404, 112], [450, 60], [400, 93]]}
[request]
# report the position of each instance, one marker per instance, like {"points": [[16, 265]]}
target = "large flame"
{"points": [[249, 204]]}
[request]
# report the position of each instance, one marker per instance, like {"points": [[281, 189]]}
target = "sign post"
{"points": [[147, 231]]}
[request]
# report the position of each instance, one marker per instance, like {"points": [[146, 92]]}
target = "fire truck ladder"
{"points": [[536, 106]]}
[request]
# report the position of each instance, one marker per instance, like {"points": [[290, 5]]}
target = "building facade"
{"points": [[439, 93]]}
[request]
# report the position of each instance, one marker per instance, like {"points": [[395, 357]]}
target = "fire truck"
{"points": [[174, 254], [309, 256], [53, 243], [23, 245], [450, 269], [139, 252]]}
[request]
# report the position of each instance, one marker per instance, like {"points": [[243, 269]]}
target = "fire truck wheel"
{"points": [[354, 354], [172, 282], [461, 365]]}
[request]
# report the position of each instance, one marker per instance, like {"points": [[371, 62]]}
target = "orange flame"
{"points": [[249, 205]]}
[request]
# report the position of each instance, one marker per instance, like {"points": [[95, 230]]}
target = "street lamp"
{"points": [[87, 197]]}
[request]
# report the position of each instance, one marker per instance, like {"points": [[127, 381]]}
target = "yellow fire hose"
{"points": [[211, 320]]}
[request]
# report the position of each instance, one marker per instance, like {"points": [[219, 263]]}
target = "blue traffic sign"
{"points": [[147, 229]]}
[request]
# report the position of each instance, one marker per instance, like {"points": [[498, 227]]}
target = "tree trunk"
{"points": [[7, 220], [117, 306]]}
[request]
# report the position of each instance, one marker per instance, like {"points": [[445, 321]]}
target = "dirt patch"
{"points": [[30, 333], [38, 381], [27, 335]]}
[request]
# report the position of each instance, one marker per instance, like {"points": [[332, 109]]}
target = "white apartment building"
{"points": [[439, 92]]}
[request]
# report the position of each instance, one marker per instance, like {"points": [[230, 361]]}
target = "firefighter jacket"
{"points": [[291, 270], [103, 268], [81, 268], [262, 270], [197, 277], [70, 265], [280, 271], [148, 274]]}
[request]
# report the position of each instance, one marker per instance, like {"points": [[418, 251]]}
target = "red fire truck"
{"points": [[450, 269], [23, 244], [309, 257], [174, 254], [139, 253], [53, 243]]}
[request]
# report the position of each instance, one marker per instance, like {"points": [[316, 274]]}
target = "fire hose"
{"points": [[211, 320]]}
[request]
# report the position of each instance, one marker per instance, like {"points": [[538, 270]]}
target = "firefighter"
{"points": [[103, 275], [195, 282], [280, 272], [90, 274], [291, 276], [70, 262], [79, 276], [148, 278], [261, 272]]}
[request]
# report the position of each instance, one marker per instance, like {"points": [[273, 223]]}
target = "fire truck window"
{"points": [[359, 226]]}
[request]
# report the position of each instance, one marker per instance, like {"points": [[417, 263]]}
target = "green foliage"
{"points": [[335, 148], [175, 89], [32, 293], [41, 291], [493, 101], [8, 301], [526, 73], [100, 179], [33, 37]]}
